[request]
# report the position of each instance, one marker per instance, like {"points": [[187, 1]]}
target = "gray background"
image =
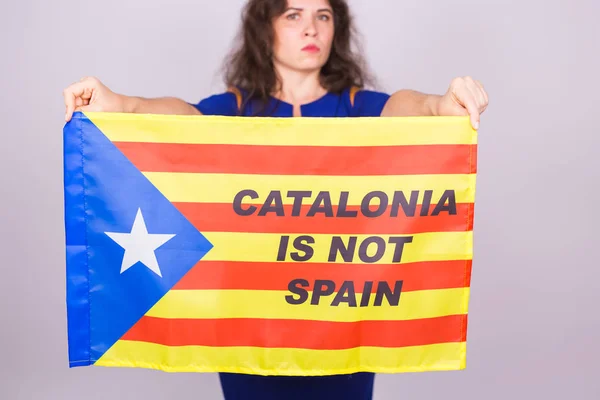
{"points": [[534, 319]]}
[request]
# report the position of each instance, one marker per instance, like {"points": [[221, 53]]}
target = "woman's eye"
{"points": [[324, 17], [293, 16]]}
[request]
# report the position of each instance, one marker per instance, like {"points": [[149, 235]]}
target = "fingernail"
{"points": [[476, 125]]}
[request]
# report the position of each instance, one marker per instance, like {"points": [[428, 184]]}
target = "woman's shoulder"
{"points": [[366, 102], [225, 103]]}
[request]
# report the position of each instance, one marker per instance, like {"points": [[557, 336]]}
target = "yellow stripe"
{"points": [[209, 304], [292, 362], [222, 188], [372, 131], [264, 247]]}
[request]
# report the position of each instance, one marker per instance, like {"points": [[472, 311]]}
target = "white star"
{"points": [[139, 245]]}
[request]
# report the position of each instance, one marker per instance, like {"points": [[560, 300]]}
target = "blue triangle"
{"points": [[114, 189]]}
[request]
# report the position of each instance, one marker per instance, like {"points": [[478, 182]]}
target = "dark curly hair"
{"points": [[250, 66]]}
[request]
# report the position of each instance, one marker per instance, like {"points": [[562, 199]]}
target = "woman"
{"points": [[294, 60], [293, 53]]}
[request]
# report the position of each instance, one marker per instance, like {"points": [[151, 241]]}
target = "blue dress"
{"points": [[366, 104], [357, 386]]}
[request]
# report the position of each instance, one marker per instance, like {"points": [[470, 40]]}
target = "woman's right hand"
{"points": [[89, 94]]}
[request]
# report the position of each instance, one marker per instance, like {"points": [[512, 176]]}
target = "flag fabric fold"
{"points": [[296, 246]]}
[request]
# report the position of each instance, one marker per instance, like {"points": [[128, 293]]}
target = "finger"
{"points": [[478, 101], [477, 96], [82, 107], [78, 102], [74, 92], [471, 105], [463, 96], [480, 95], [478, 83], [482, 89], [477, 91], [90, 108], [70, 105], [80, 88], [87, 93]]}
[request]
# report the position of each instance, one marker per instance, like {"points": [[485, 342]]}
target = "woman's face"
{"points": [[303, 35]]}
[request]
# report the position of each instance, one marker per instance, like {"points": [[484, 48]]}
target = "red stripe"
{"points": [[306, 160], [319, 335], [277, 276], [221, 217]]}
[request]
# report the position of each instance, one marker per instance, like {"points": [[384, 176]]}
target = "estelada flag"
{"points": [[274, 246]]}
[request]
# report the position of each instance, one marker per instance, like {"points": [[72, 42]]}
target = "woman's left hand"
{"points": [[465, 96]]}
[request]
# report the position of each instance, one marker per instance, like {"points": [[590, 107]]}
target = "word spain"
{"points": [[346, 293]]}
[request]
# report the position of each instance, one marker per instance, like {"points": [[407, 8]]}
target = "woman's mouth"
{"points": [[311, 48]]}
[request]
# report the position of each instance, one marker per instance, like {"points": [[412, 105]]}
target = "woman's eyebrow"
{"points": [[302, 9]]}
